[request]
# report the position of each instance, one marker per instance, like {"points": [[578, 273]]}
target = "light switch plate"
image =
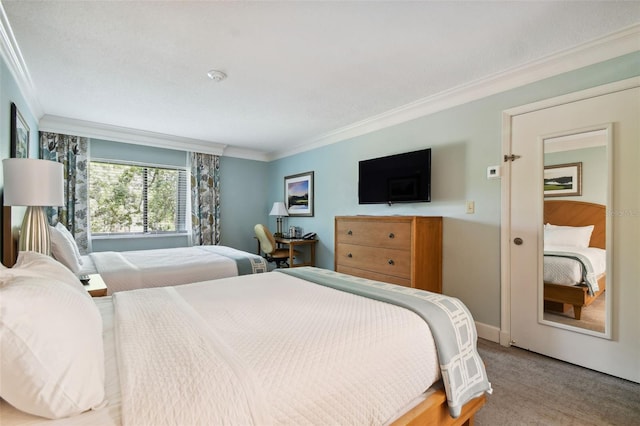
{"points": [[471, 207]]}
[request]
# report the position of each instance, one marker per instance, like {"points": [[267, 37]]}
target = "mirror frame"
{"points": [[610, 289]]}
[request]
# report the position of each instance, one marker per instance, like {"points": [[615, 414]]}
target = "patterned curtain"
{"points": [[71, 151], [205, 199]]}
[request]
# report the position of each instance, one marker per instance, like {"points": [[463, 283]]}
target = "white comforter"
{"points": [[566, 271], [267, 349], [136, 269]]}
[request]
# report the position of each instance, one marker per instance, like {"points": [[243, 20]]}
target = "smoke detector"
{"points": [[216, 75]]}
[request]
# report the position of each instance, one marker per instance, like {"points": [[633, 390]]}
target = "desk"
{"points": [[292, 243]]}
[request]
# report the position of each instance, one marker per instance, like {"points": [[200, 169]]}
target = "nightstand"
{"points": [[96, 286]]}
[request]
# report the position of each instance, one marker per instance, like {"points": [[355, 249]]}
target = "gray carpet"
{"points": [[531, 389]]}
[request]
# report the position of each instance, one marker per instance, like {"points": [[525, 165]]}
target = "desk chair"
{"points": [[269, 247]]}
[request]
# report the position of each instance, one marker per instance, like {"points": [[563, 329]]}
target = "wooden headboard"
{"points": [[579, 213], [9, 238]]}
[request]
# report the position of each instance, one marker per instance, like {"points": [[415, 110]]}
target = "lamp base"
{"points": [[278, 227], [34, 233]]}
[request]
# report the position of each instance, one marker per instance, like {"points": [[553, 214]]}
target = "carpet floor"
{"points": [[532, 389]]}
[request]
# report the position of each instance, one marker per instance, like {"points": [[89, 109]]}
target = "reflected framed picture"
{"points": [[563, 180], [19, 134], [298, 194]]}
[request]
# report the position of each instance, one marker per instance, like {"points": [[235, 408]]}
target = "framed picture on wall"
{"points": [[563, 180], [19, 134], [298, 194]]}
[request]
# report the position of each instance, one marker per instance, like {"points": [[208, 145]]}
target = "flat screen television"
{"points": [[399, 178]]}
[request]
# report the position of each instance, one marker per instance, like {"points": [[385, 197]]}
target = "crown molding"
{"points": [[247, 154], [15, 62], [614, 45], [89, 129]]}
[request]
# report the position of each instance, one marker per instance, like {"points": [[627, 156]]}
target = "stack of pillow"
{"points": [[64, 248], [51, 349]]}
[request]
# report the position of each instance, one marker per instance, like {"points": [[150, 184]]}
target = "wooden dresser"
{"points": [[404, 250]]}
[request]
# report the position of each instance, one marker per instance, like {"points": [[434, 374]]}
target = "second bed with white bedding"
{"points": [[130, 270]]}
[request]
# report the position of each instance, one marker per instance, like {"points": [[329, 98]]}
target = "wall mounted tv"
{"points": [[400, 178]]}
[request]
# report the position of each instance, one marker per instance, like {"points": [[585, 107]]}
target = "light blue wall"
{"points": [[110, 150], [9, 92], [465, 140], [243, 200]]}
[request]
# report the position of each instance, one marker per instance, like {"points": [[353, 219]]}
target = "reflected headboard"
{"points": [[579, 213]]}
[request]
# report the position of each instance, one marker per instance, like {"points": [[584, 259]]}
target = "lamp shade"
{"points": [[32, 182], [278, 209]]}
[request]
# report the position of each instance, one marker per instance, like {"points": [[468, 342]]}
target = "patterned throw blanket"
{"points": [[451, 324]]}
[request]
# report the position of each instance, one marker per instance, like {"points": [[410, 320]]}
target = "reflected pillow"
{"points": [[574, 236], [51, 350]]}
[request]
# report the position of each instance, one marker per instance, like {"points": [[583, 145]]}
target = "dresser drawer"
{"points": [[395, 235], [362, 273], [385, 261]]}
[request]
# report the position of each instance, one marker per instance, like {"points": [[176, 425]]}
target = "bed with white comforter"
{"points": [[300, 346], [130, 270]]}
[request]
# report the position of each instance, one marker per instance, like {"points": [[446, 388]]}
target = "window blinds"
{"points": [[136, 198]]}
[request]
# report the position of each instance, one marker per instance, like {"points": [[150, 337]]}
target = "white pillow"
{"points": [[32, 264], [575, 236], [62, 249], [51, 350], [65, 232]]}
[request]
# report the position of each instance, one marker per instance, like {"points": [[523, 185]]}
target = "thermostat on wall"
{"points": [[494, 172]]}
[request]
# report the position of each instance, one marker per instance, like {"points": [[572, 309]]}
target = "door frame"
{"points": [[505, 228]]}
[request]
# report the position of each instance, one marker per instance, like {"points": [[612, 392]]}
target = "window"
{"points": [[136, 199]]}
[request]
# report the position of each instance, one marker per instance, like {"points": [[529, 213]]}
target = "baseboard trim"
{"points": [[488, 332]]}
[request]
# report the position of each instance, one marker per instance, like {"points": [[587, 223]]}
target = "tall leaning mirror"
{"points": [[577, 286]]}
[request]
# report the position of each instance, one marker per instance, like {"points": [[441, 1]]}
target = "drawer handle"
{"points": [[349, 255], [390, 262], [349, 232], [391, 235]]}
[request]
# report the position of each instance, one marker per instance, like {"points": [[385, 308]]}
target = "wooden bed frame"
{"points": [[435, 411], [558, 297]]}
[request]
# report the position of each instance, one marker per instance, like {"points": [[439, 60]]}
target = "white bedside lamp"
{"points": [[35, 184], [279, 210]]}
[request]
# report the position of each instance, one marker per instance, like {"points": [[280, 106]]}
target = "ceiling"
{"points": [[297, 70]]}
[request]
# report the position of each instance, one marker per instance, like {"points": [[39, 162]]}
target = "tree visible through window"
{"points": [[126, 198]]}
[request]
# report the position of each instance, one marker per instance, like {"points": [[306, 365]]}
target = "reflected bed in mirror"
{"points": [[575, 263]]}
